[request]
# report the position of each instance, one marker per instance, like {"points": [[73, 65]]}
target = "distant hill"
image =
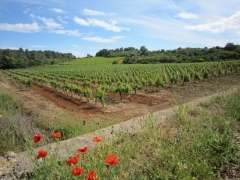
{"points": [[144, 56]]}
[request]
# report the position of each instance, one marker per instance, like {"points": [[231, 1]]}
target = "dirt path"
{"points": [[55, 105]]}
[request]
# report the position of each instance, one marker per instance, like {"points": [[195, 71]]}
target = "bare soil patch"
{"points": [[52, 104]]}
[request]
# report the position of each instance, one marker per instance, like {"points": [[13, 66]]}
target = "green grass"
{"points": [[195, 144], [72, 127], [11, 131], [95, 61], [8, 104]]}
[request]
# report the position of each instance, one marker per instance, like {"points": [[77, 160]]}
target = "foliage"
{"points": [[94, 61], [10, 59], [180, 55], [83, 81], [9, 104], [118, 52]]}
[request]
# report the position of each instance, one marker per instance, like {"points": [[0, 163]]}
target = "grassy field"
{"points": [[95, 61]]}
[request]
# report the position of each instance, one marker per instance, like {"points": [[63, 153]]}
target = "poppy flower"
{"points": [[37, 138], [97, 139], [56, 134], [77, 171], [83, 150], [73, 160], [111, 160], [42, 154], [91, 175]]}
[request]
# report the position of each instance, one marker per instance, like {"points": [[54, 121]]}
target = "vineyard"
{"points": [[94, 84]]}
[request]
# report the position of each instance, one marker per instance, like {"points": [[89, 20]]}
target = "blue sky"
{"points": [[84, 27]]}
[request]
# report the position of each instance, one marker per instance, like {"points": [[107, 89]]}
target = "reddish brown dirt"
{"points": [[53, 104]]}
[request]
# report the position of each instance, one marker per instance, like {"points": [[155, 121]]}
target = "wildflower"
{"points": [[73, 160], [91, 175], [111, 160], [77, 171], [42, 154], [37, 138], [83, 150], [97, 139], [56, 134]]}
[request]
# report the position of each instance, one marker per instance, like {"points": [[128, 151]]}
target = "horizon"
{"points": [[84, 27]]}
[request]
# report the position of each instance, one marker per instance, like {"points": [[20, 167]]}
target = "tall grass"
{"points": [[8, 104], [10, 109], [195, 144]]}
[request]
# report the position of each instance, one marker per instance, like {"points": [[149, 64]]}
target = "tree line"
{"points": [[12, 58], [143, 56], [118, 52]]}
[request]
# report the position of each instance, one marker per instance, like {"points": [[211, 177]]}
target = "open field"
{"points": [[48, 107], [95, 61], [72, 92], [96, 91], [57, 109]]}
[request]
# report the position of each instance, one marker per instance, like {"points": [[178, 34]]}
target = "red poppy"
{"points": [[56, 134], [37, 138], [77, 171], [73, 160], [91, 175], [42, 154], [111, 160], [97, 139], [83, 150]]}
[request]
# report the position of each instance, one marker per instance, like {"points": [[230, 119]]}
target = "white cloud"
{"points": [[59, 11], [32, 15], [23, 28], [108, 26], [80, 21], [103, 40], [26, 11], [93, 13], [61, 20], [186, 15], [50, 23], [67, 32], [232, 22], [95, 22]]}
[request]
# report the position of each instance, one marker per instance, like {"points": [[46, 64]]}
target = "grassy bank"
{"points": [[195, 144], [11, 116]]}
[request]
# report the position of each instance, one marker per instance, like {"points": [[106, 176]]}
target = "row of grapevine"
{"points": [[95, 82]]}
